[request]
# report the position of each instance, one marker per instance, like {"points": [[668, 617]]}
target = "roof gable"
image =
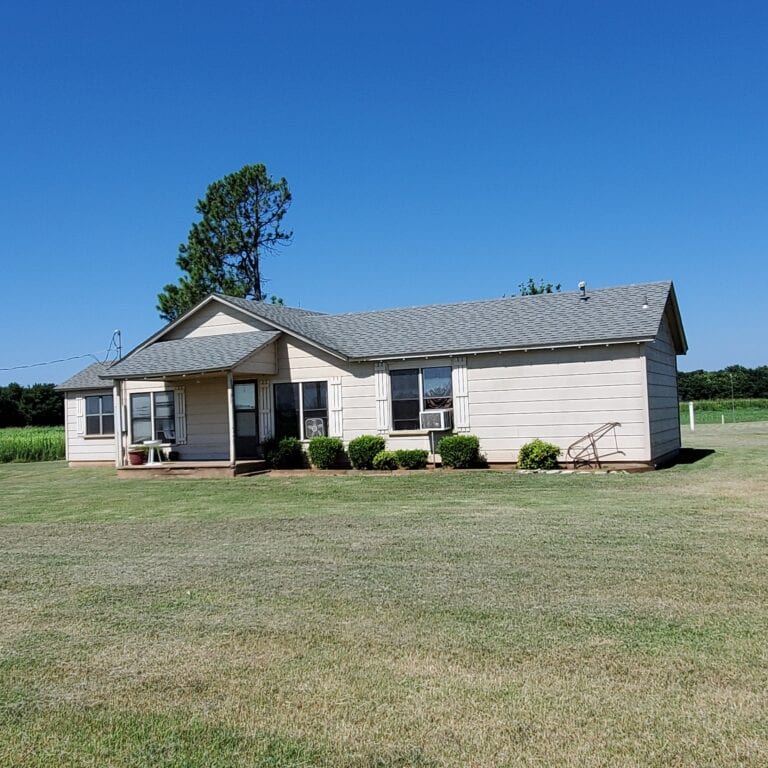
{"points": [[191, 354]]}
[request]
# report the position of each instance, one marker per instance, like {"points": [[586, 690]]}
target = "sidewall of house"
{"points": [[663, 398], [560, 396], [82, 447]]}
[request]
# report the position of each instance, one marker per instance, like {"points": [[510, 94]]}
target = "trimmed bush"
{"points": [[459, 451], [325, 452], [415, 458], [362, 450], [385, 460], [285, 453], [538, 455]]}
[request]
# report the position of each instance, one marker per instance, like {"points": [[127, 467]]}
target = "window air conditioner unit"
{"points": [[437, 420]]}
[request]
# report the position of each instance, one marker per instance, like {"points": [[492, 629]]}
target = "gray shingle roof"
{"points": [[192, 354], [609, 315], [518, 322], [88, 378]]}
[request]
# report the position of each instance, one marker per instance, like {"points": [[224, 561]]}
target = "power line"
{"points": [[115, 343], [50, 362]]}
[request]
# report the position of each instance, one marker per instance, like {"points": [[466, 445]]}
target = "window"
{"points": [[153, 417], [99, 415], [301, 410], [418, 389]]}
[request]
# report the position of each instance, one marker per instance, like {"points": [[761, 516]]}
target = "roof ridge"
{"points": [[470, 302]]}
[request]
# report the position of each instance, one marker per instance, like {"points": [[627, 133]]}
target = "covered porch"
{"points": [[211, 419]]}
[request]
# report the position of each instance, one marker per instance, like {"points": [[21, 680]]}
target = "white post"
{"points": [[231, 413], [117, 421], [722, 418], [691, 417]]}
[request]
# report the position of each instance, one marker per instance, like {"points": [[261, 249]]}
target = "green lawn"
{"points": [[433, 619], [729, 411]]}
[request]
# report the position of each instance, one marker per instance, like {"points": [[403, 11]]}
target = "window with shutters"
{"points": [[99, 415], [153, 416], [418, 389], [301, 410]]}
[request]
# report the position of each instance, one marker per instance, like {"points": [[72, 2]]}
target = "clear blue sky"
{"points": [[436, 152]]}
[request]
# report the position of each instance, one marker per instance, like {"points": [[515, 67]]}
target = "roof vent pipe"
{"points": [[583, 289]]}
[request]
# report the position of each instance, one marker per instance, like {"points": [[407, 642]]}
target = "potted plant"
{"points": [[137, 454]]}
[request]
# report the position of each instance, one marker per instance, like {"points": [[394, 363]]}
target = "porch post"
{"points": [[117, 420], [231, 412]]}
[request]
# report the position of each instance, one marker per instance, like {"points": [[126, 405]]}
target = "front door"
{"points": [[246, 420]]}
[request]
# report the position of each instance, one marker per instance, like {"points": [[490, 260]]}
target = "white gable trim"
{"points": [[179, 320], [286, 330]]}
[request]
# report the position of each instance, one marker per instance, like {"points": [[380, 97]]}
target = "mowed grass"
{"points": [[729, 411], [432, 619], [25, 444]]}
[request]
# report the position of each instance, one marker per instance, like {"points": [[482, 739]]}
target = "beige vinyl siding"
{"points": [[262, 362], [297, 361], [663, 409], [85, 447], [558, 396], [214, 319], [207, 420]]}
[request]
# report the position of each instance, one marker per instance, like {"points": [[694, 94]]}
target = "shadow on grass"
{"points": [[690, 456]]}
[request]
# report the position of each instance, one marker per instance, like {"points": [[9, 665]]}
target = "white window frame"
{"points": [[420, 369], [101, 414], [301, 384], [151, 410]]}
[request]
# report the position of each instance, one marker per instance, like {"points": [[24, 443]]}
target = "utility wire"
{"points": [[50, 362], [112, 345]]}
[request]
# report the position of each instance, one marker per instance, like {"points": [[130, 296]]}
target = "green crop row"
{"points": [[24, 444]]}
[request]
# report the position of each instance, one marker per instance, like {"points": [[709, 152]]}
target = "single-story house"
{"points": [[232, 373]]}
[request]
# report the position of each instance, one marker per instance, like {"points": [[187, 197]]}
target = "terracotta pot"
{"points": [[137, 457]]}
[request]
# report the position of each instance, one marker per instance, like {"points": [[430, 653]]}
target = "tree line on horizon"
{"points": [[734, 381], [36, 405]]}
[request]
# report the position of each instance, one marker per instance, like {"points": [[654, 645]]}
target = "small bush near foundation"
{"points": [[459, 451], [362, 450], [385, 460], [538, 455], [285, 453], [414, 458], [325, 452]]}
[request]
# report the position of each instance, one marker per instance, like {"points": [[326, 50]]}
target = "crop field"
{"points": [[432, 619], [23, 444]]}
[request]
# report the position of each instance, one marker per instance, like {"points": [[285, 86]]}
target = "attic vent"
{"points": [[583, 289]]}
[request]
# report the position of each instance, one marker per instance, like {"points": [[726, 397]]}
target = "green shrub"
{"points": [[362, 450], [325, 452], [285, 453], [385, 460], [414, 458], [459, 451], [538, 455]]}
